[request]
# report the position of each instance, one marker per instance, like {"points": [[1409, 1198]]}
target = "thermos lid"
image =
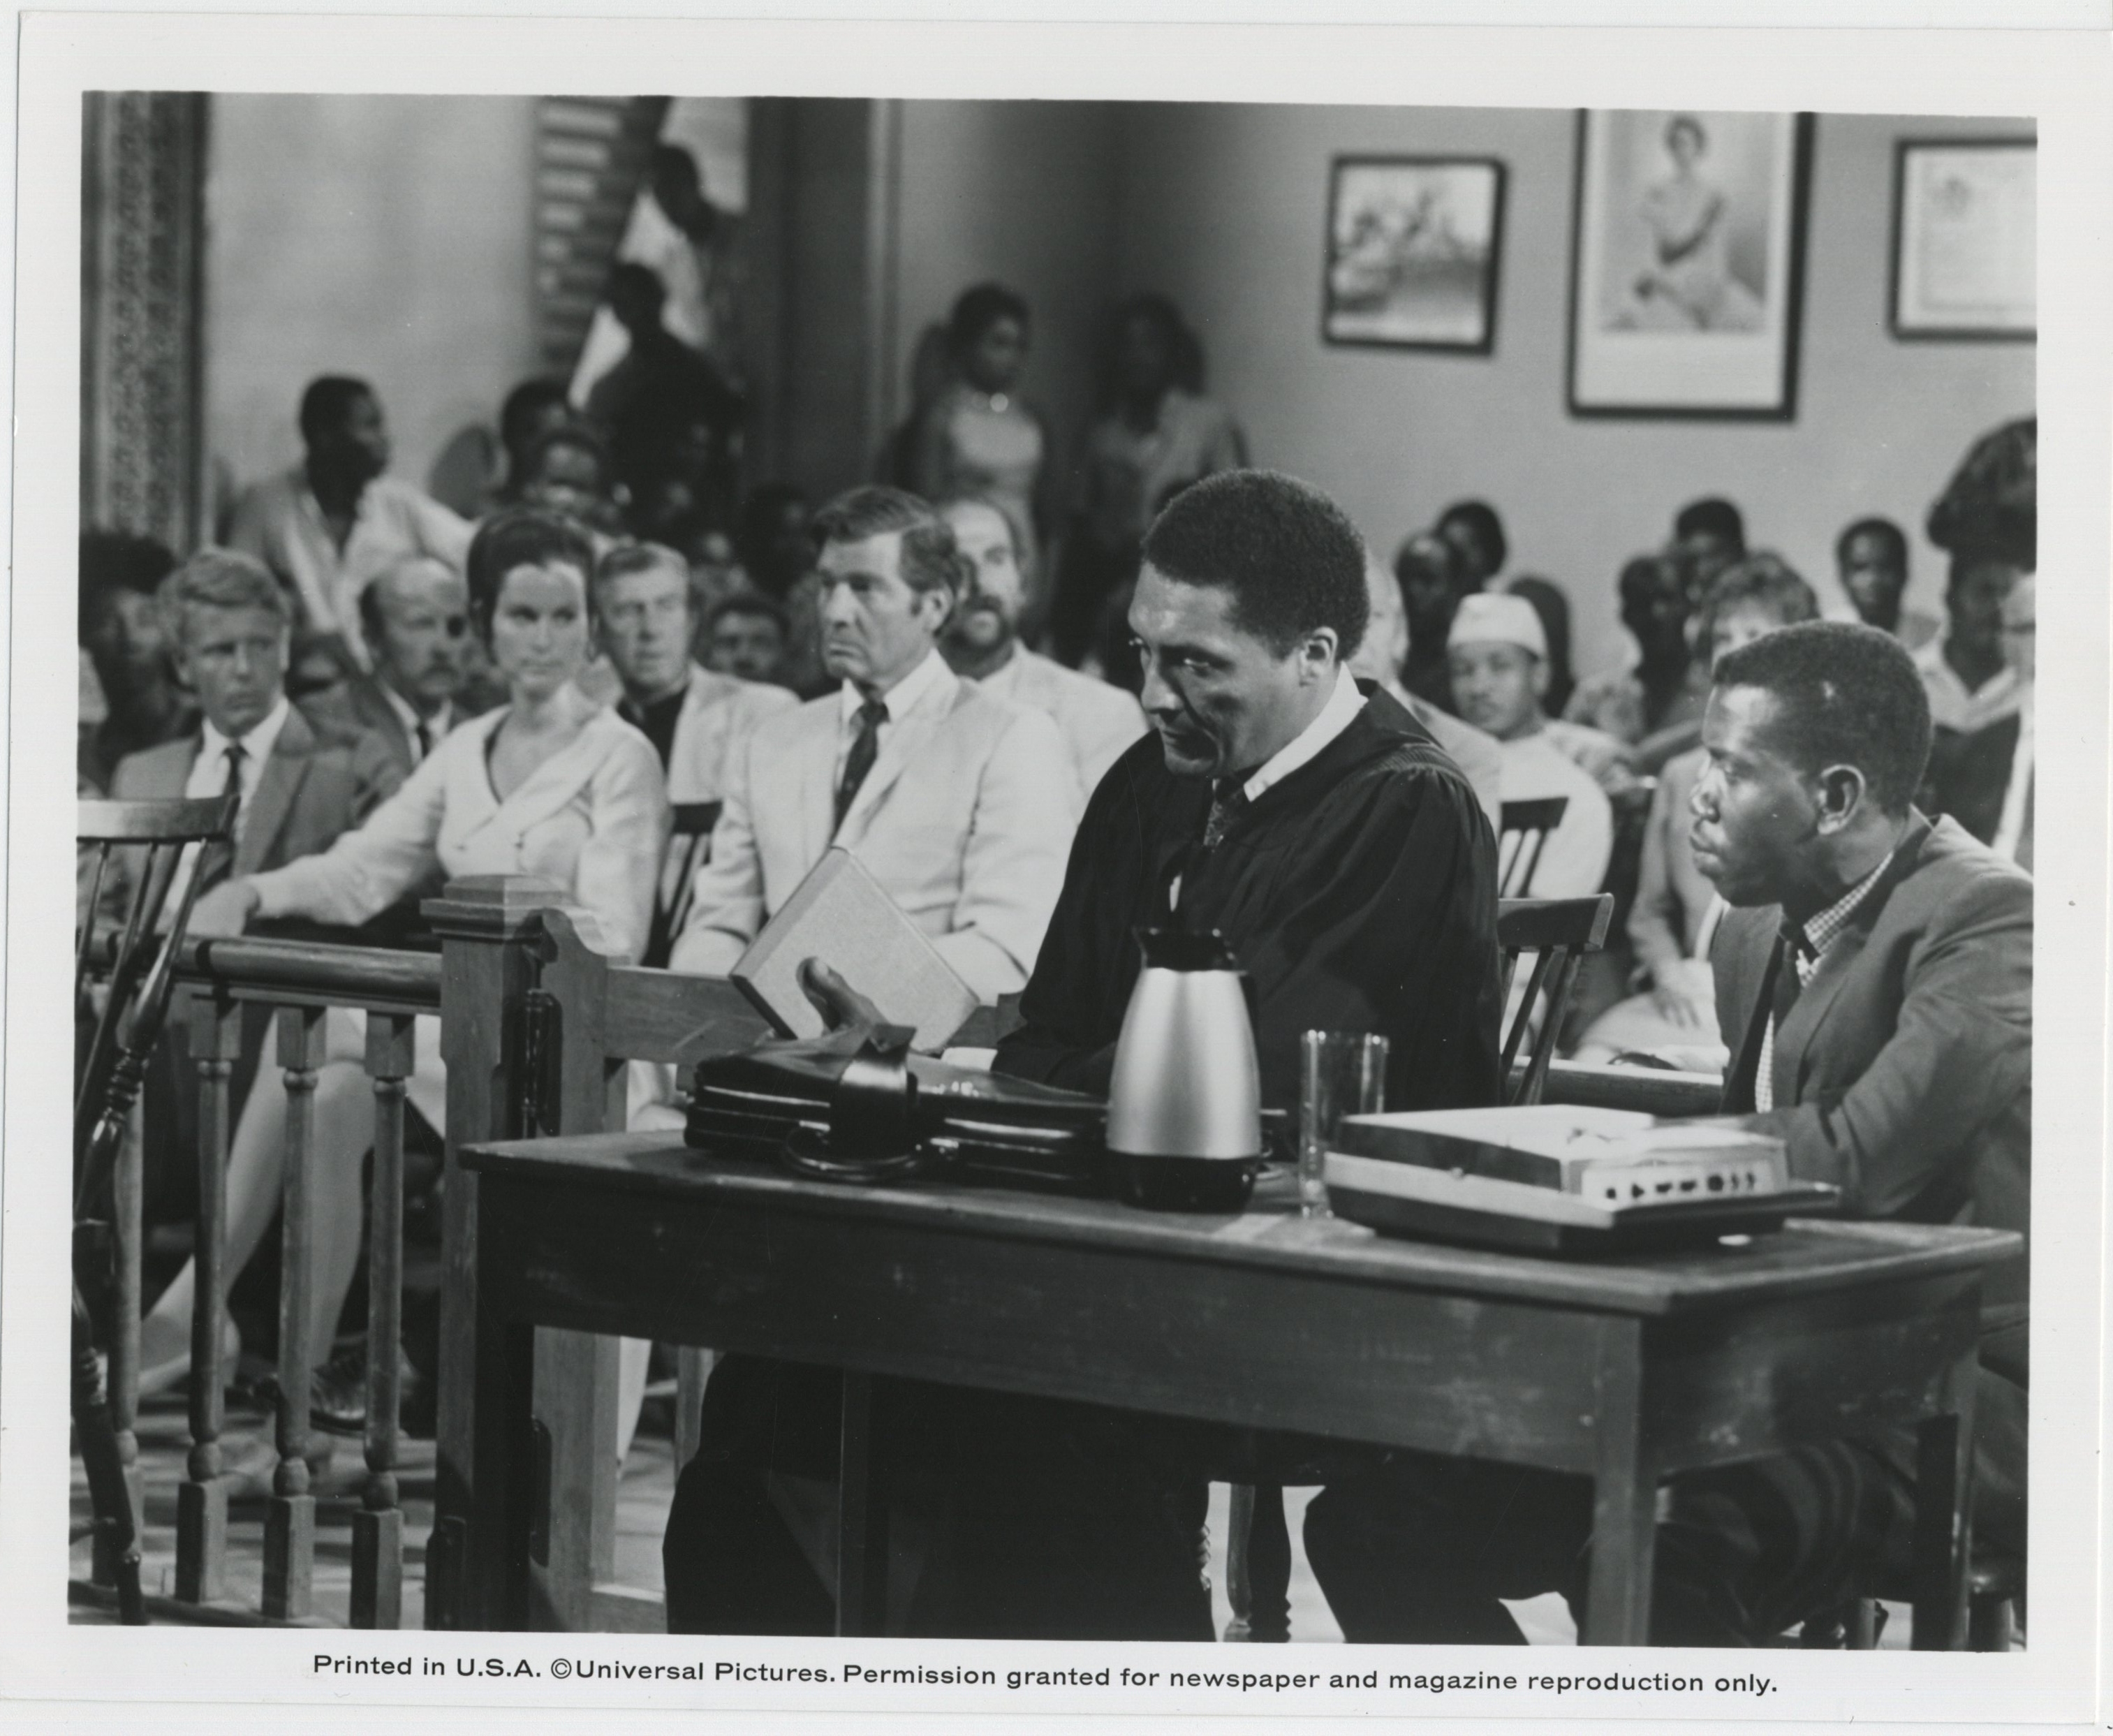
{"points": [[1185, 949]]}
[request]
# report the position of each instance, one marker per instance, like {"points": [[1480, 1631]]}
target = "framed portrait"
{"points": [[1687, 263], [1413, 249], [1966, 228]]}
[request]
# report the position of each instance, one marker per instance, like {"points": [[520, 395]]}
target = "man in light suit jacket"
{"points": [[1874, 988], [415, 619], [645, 617], [1096, 718], [959, 804]]}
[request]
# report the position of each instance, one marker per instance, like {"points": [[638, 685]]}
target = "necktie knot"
{"points": [[425, 739], [1229, 798]]}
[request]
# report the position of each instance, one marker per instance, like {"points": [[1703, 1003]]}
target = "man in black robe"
{"points": [[1345, 858]]}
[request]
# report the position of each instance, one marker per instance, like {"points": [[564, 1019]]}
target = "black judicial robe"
{"points": [[1359, 893]]}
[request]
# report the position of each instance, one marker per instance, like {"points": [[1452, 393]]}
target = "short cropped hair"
{"points": [[522, 536], [641, 557], [327, 402], [978, 310], [1481, 518], [220, 578], [1291, 559], [931, 558], [1711, 517], [1762, 580], [1885, 531], [1845, 695], [748, 602], [112, 561]]}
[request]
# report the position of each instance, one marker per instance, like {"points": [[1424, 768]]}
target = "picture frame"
{"points": [[1687, 263], [1965, 216], [1413, 252]]}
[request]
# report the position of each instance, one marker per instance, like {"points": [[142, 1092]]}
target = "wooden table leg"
{"points": [[1944, 1514], [1624, 1497], [494, 1574], [861, 1517]]}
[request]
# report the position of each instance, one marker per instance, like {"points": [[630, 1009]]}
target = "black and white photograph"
{"points": [[1413, 252], [826, 917], [1686, 282]]}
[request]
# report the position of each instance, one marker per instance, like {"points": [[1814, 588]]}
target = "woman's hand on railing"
{"points": [[224, 911]]}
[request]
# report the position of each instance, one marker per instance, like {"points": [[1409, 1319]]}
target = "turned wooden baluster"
{"points": [[215, 1033], [122, 1377], [377, 1529], [290, 1524]]}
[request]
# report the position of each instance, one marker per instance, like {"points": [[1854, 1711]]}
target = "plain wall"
{"points": [[388, 237], [1224, 208]]}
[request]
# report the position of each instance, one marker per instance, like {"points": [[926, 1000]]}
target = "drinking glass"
{"points": [[1341, 1073]]}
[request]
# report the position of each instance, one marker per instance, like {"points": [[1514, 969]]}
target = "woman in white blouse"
{"points": [[549, 784]]}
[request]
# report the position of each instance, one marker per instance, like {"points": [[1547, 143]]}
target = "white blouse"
{"points": [[593, 817]]}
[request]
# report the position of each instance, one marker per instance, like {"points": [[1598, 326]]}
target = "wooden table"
{"points": [[1623, 1372]]}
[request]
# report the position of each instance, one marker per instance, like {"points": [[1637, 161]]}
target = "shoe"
{"points": [[337, 1392], [166, 1376]]}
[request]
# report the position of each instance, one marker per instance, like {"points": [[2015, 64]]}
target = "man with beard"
{"points": [[335, 520], [982, 644]]}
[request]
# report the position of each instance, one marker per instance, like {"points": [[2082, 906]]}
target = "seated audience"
{"points": [[776, 550], [1674, 915], [1552, 604], [415, 619], [1498, 658], [744, 635], [1913, 944], [982, 644], [944, 792], [1155, 433], [1872, 556], [549, 784], [533, 408], [328, 525], [1379, 659], [1654, 706], [127, 647], [1472, 530], [569, 470], [1708, 536], [1432, 584], [658, 388]]}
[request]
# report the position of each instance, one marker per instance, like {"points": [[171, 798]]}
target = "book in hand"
{"points": [[843, 916]]}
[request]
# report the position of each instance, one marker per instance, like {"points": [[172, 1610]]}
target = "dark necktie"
{"points": [[1789, 981], [865, 749], [220, 859], [425, 740], [1229, 800]]}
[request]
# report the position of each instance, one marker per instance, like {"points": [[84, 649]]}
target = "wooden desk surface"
{"points": [[1808, 1258]]}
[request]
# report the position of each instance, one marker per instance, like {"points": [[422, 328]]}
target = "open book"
{"points": [[843, 916]]}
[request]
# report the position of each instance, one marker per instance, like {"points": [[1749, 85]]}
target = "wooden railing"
{"points": [[538, 1031]]}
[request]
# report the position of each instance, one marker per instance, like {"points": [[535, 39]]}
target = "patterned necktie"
{"points": [[1229, 800], [865, 750]]}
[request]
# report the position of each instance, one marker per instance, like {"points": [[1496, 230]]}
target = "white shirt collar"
{"points": [[256, 745], [904, 696], [1338, 715]]}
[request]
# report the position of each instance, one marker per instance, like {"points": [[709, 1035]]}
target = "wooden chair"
{"points": [[120, 1038], [1559, 932], [1995, 1590], [689, 848], [1521, 836]]}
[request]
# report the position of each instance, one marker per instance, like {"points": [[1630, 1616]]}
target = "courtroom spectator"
{"points": [[569, 470], [326, 527], [127, 648], [1987, 521], [415, 619], [982, 644], [693, 496], [230, 626], [1551, 602], [959, 803], [1871, 555], [659, 386], [1674, 916], [1379, 659], [745, 634], [533, 408], [1708, 536], [1653, 707], [1432, 584], [1914, 1096], [699, 257], [1472, 530], [777, 549], [1154, 432], [1498, 657]]}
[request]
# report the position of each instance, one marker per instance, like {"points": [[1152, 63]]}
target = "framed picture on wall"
{"points": [[1966, 223], [1687, 263], [1413, 249]]}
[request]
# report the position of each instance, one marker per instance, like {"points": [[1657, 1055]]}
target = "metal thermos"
{"points": [[1185, 1107]]}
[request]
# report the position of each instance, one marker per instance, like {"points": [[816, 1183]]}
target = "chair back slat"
{"points": [[689, 848], [1522, 833], [1559, 933]]}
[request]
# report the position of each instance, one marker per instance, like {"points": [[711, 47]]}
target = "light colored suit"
{"points": [[966, 820], [719, 712], [1096, 719]]}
